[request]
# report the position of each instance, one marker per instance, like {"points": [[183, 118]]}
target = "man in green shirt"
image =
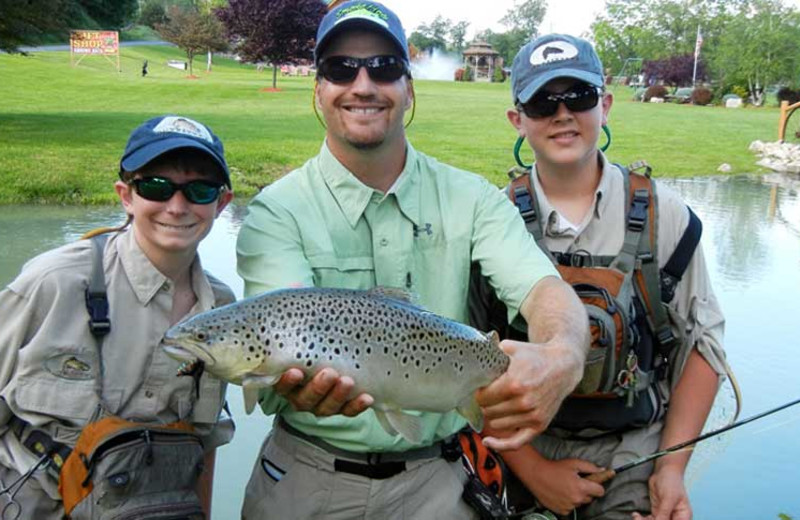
{"points": [[368, 211]]}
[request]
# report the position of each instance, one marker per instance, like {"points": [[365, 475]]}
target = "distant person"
{"points": [[144, 69], [627, 244], [63, 375], [369, 210]]}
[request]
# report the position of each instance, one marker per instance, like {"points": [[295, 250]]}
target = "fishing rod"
{"points": [[603, 476]]}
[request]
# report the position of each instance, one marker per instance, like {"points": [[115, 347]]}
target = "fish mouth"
{"points": [[188, 354]]}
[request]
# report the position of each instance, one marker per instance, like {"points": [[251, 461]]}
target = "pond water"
{"points": [[752, 243]]}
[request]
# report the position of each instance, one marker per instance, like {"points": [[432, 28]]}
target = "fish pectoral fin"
{"points": [[251, 388], [407, 425], [384, 422], [472, 412]]}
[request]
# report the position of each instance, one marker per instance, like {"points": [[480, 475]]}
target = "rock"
{"points": [[724, 168], [656, 99], [733, 103], [777, 156]]}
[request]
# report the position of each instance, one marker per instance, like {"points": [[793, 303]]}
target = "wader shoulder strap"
{"points": [[673, 270], [521, 193], [96, 297]]}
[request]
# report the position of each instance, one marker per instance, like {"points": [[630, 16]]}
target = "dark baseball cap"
{"points": [[361, 14], [553, 56], [162, 134]]}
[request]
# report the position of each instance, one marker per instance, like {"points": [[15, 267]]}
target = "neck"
{"points": [[570, 180], [175, 266], [377, 168]]}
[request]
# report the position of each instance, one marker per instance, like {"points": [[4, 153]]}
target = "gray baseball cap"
{"points": [[553, 56]]}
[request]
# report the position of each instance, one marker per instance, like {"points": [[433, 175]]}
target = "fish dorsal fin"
{"points": [[493, 337], [399, 295]]}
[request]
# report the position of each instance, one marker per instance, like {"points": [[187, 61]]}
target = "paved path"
{"points": [[43, 48]]}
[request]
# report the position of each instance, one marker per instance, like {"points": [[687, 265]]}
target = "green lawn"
{"points": [[63, 128]]}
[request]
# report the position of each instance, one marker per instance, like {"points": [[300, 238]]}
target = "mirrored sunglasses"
{"points": [[344, 69], [159, 189], [579, 98]]}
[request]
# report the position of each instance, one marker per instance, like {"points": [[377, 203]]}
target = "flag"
{"points": [[698, 43]]}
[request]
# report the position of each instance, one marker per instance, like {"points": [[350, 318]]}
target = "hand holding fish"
{"points": [[325, 394], [526, 398], [668, 497]]}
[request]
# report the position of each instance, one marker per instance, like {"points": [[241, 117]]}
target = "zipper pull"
{"points": [[149, 454]]}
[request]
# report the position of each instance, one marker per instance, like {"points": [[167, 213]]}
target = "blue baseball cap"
{"points": [[162, 134], [361, 14], [553, 56]]}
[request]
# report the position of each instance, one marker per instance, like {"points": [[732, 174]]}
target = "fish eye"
{"points": [[200, 336]]}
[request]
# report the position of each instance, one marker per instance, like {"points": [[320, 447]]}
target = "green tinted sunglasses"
{"points": [[159, 189]]}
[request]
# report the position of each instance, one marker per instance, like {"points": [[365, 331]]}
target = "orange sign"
{"points": [[94, 42]]}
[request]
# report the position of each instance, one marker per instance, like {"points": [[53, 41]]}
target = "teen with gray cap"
{"points": [[579, 211], [368, 211], [173, 184]]}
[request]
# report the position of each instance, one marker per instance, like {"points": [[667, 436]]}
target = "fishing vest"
{"points": [[625, 297], [117, 468]]}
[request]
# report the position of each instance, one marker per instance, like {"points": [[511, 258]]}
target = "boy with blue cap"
{"points": [[368, 211], [60, 373], [578, 207]]}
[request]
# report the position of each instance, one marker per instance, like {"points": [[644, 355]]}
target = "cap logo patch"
{"points": [[553, 51], [183, 125], [365, 12]]}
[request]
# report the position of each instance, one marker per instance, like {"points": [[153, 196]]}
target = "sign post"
{"points": [[93, 43]]}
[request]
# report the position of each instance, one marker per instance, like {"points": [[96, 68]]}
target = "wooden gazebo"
{"points": [[482, 59]]}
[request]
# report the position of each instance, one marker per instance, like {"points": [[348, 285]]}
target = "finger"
{"points": [[288, 381], [496, 393], [332, 402], [531, 420], [586, 467], [309, 396], [516, 441], [357, 405], [509, 346]]}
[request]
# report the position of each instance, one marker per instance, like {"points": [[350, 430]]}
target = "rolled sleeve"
{"points": [[507, 253]]}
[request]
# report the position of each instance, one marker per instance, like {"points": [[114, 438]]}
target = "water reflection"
{"points": [[752, 243]]}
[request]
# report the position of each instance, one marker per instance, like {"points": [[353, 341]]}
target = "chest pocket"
{"points": [[352, 272]]}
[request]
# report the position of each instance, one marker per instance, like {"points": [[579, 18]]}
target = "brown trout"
{"points": [[405, 357]]}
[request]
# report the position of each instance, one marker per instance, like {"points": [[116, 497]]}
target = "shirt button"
{"points": [[148, 394], [166, 286], [384, 242]]}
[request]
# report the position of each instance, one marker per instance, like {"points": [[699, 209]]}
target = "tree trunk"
{"points": [[274, 75], [190, 56], [208, 62]]}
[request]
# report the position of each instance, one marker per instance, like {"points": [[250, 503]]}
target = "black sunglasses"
{"points": [[160, 189], [344, 69], [579, 98]]}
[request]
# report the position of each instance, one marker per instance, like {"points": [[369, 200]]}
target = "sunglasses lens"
{"points": [[344, 69], [159, 189], [201, 192], [339, 69], [579, 98], [154, 188], [386, 69]]}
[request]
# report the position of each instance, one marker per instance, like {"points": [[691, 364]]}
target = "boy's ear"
{"points": [[224, 199], [515, 119], [125, 194]]}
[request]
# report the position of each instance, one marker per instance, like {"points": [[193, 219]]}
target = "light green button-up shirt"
{"points": [[321, 226]]}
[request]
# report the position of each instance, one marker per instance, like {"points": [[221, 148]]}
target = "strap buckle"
{"points": [[638, 213], [524, 202], [97, 306]]}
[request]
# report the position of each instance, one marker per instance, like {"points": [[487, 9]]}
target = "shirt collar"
{"points": [[353, 196], [551, 219], [144, 278]]}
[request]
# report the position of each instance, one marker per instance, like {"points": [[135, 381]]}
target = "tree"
{"points": [[109, 14], [675, 71], [427, 37], [152, 13], [525, 18], [276, 31], [24, 23], [458, 35], [193, 32]]}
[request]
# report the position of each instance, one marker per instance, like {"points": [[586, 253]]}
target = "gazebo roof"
{"points": [[480, 48]]}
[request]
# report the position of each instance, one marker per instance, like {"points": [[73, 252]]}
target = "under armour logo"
{"points": [[427, 229]]}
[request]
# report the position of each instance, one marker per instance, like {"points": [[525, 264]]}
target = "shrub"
{"points": [[467, 76], [683, 95], [701, 96], [498, 76], [787, 94], [655, 91], [740, 91]]}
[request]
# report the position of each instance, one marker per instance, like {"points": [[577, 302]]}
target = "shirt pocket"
{"points": [[357, 272], [70, 401]]}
